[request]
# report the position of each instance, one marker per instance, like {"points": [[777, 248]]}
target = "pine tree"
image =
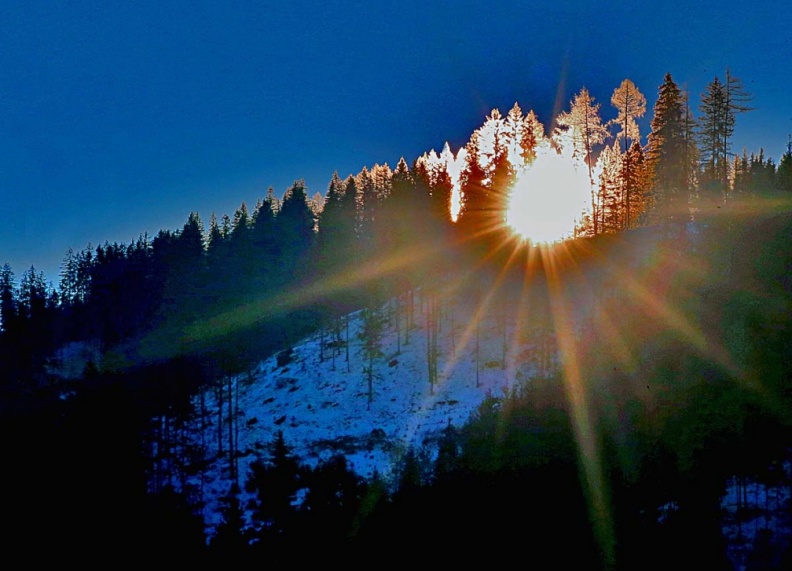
{"points": [[441, 189], [230, 536], [8, 300], [295, 228], [336, 244], [582, 127], [630, 105], [525, 134], [191, 238], [474, 192], [501, 176], [339, 220], [784, 173], [371, 336], [263, 244], [241, 223], [712, 138], [737, 99], [636, 183], [669, 154], [609, 190], [84, 264], [69, 279], [741, 183], [381, 176], [216, 252], [331, 224], [368, 213], [493, 141], [398, 230], [243, 258], [719, 106], [32, 294], [275, 481], [432, 334]]}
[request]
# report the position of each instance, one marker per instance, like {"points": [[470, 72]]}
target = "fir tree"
{"points": [[263, 244], [69, 279], [474, 192], [525, 134], [275, 481], [295, 228], [720, 104], [668, 154], [8, 300], [784, 173]]}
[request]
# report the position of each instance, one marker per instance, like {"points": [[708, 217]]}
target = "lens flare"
{"points": [[549, 197]]}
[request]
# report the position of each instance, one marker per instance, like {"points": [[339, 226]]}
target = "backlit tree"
{"points": [[630, 105], [582, 128]]}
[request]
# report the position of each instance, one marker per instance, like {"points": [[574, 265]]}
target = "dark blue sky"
{"points": [[118, 118]]}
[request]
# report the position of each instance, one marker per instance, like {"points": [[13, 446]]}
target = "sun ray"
{"points": [[576, 392], [247, 314], [639, 293]]}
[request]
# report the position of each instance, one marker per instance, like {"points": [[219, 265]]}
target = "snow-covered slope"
{"points": [[321, 402]]}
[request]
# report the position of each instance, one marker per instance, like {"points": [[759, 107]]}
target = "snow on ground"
{"points": [[757, 518], [322, 405]]}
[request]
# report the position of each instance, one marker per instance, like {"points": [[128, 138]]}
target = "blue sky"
{"points": [[118, 118]]}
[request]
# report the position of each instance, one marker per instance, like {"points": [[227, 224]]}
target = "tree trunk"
{"points": [[346, 319], [219, 391]]}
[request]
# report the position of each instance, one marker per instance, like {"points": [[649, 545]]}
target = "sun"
{"points": [[548, 198]]}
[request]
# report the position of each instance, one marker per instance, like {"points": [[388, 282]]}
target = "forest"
{"points": [[693, 390]]}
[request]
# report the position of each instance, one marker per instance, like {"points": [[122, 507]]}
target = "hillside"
{"points": [[649, 370], [322, 406], [320, 401]]}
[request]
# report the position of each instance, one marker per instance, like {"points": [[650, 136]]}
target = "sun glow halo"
{"points": [[548, 198]]}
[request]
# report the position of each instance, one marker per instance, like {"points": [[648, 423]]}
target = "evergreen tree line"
{"points": [[670, 434], [145, 295], [687, 166], [244, 275], [176, 312]]}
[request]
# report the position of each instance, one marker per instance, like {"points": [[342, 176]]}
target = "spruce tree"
{"points": [[397, 211], [525, 134], [368, 213], [8, 300], [263, 244], [501, 176], [275, 481], [474, 192], [295, 228], [668, 154], [609, 165], [784, 172], [712, 139], [720, 104], [68, 279], [336, 236]]}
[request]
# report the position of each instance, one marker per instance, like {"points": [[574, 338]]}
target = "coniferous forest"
{"points": [[677, 385]]}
